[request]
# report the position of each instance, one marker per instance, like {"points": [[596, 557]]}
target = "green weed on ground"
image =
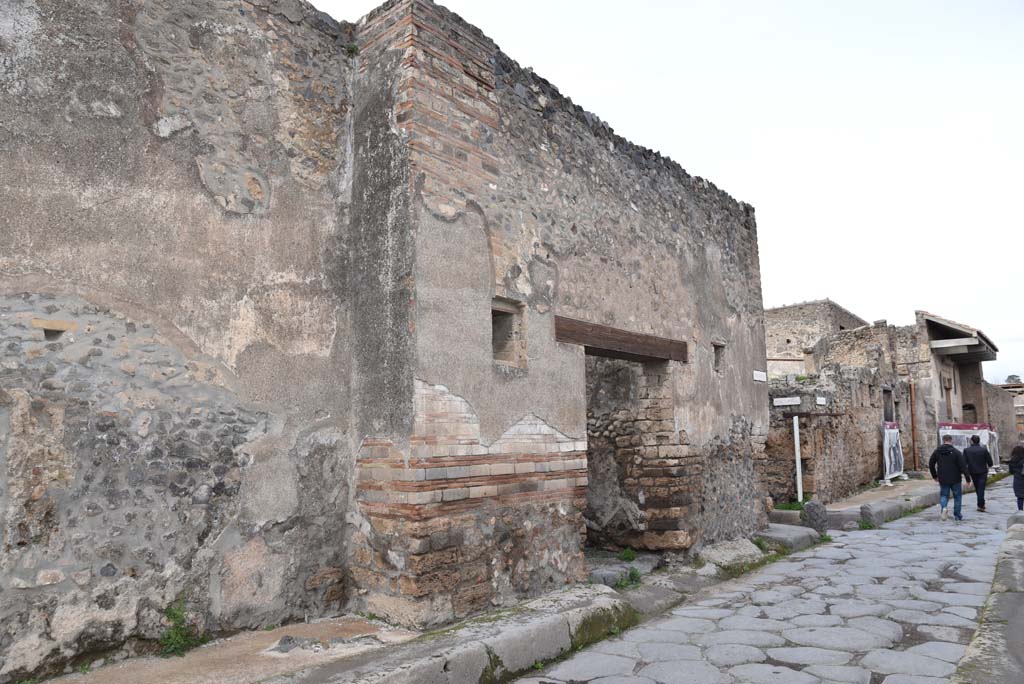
{"points": [[867, 525], [630, 580], [180, 637], [628, 555]]}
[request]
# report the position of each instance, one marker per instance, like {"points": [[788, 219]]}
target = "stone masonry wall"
{"points": [[1002, 415], [179, 179], [517, 194], [645, 484], [460, 525], [789, 330], [841, 448]]}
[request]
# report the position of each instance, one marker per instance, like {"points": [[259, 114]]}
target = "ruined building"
{"points": [[851, 380], [300, 316]]}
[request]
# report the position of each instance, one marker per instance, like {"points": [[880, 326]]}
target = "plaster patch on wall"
{"points": [[19, 21]]}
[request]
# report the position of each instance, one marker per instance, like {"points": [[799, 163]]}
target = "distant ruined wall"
{"points": [[853, 372], [175, 354], [1002, 414], [789, 330]]}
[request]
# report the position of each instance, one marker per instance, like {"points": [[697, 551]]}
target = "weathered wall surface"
{"points": [[519, 194], [789, 330], [841, 448], [177, 180], [853, 370], [1002, 414]]}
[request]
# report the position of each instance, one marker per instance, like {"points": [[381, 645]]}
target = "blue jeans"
{"points": [[958, 496]]}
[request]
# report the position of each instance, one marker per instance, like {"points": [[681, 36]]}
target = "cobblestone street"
{"points": [[896, 605]]}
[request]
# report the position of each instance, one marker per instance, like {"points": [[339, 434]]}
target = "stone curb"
{"points": [[994, 655], [489, 649], [789, 537]]}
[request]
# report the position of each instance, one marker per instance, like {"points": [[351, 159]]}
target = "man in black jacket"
{"points": [[979, 460], [947, 466]]}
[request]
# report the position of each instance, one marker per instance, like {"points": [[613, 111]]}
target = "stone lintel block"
{"points": [[483, 491], [455, 494], [502, 468]]}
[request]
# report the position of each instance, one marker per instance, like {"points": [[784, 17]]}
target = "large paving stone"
{"points": [[816, 621], [656, 652], [727, 655], [806, 655], [591, 666], [905, 662], [685, 672], [942, 633], [646, 634], [912, 679], [685, 624], [752, 624], [731, 553], [747, 638], [917, 617], [771, 674], [840, 673], [875, 625], [943, 650], [858, 608], [790, 537], [702, 612], [628, 649], [619, 679], [837, 638]]}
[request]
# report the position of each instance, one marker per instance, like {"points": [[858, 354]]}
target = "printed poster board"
{"points": [[892, 450]]}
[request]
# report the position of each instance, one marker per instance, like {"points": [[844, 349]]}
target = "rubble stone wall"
{"points": [[251, 257], [174, 320], [790, 330], [1002, 414]]}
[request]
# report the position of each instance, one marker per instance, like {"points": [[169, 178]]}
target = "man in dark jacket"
{"points": [[979, 460], [947, 466]]}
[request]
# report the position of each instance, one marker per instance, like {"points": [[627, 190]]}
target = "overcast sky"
{"points": [[880, 141]]}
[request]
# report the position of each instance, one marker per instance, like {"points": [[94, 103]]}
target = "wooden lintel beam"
{"points": [[602, 340]]}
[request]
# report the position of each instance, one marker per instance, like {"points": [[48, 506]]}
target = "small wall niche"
{"points": [[53, 329], [719, 360], [508, 332]]}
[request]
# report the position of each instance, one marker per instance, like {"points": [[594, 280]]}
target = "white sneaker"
{"points": [[944, 516]]}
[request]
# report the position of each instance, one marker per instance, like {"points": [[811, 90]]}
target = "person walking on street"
{"points": [[1017, 468], [979, 460], [947, 466]]}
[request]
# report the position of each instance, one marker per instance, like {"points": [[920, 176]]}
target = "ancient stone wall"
{"points": [[646, 484], [526, 206], [790, 330], [251, 252], [178, 182], [840, 439], [856, 374], [1002, 415]]}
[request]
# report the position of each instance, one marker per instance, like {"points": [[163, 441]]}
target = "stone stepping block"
{"points": [[791, 537], [907, 663], [806, 655], [727, 655], [840, 673], [685, 672], [593, 666], [771, 674], [837, 638]]}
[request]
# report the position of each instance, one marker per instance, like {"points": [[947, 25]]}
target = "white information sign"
{"points": [[786, 401]]}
